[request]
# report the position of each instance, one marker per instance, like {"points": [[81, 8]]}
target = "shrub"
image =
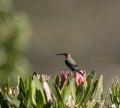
{"points": [[41, 91]]}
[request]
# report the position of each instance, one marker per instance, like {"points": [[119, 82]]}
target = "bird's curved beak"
{"points": [[60, 54]]}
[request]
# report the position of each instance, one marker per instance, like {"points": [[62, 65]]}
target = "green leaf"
{"points": [[21, 95], [99, 90], [79, 93], [115, 93], [94, 88], [72, 86], [3, 102], [39, 99], [28, 91], [61, 105], [57, 80], [22, 105], [96, 105], [90, 75], [39, 86], [98, 93], [67, 93], [33, 90], [88, 92], [112, 95], [7, 87], [54, 90], [63, 89], [13, 101], [27, 83], [21, 86], [70, 90]]}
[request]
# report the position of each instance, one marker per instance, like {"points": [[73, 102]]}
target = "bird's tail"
{"points": [[80, 71]]}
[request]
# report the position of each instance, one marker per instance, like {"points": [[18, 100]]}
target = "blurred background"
{"points": [[88, 29]]}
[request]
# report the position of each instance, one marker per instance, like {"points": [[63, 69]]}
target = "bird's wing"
{"points": [[71, 60], [72, 65]]}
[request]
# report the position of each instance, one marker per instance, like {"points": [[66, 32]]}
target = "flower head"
{"points": [[64, 75], [78, 77]]}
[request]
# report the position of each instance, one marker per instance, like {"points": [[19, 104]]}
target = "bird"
{"points": [[70, 62]]}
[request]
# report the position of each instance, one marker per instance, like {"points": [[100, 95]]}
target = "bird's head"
{"points": [[65, 54]]}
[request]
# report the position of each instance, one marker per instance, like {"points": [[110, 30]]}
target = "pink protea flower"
{"points": [[78, 77], [64, 75]]}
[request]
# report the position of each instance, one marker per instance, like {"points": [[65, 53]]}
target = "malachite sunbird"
{"points": [[70, 62]]}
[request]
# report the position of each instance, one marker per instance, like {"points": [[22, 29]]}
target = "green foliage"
{"points": [[34, 93], [115, 93], [15, 33]]}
